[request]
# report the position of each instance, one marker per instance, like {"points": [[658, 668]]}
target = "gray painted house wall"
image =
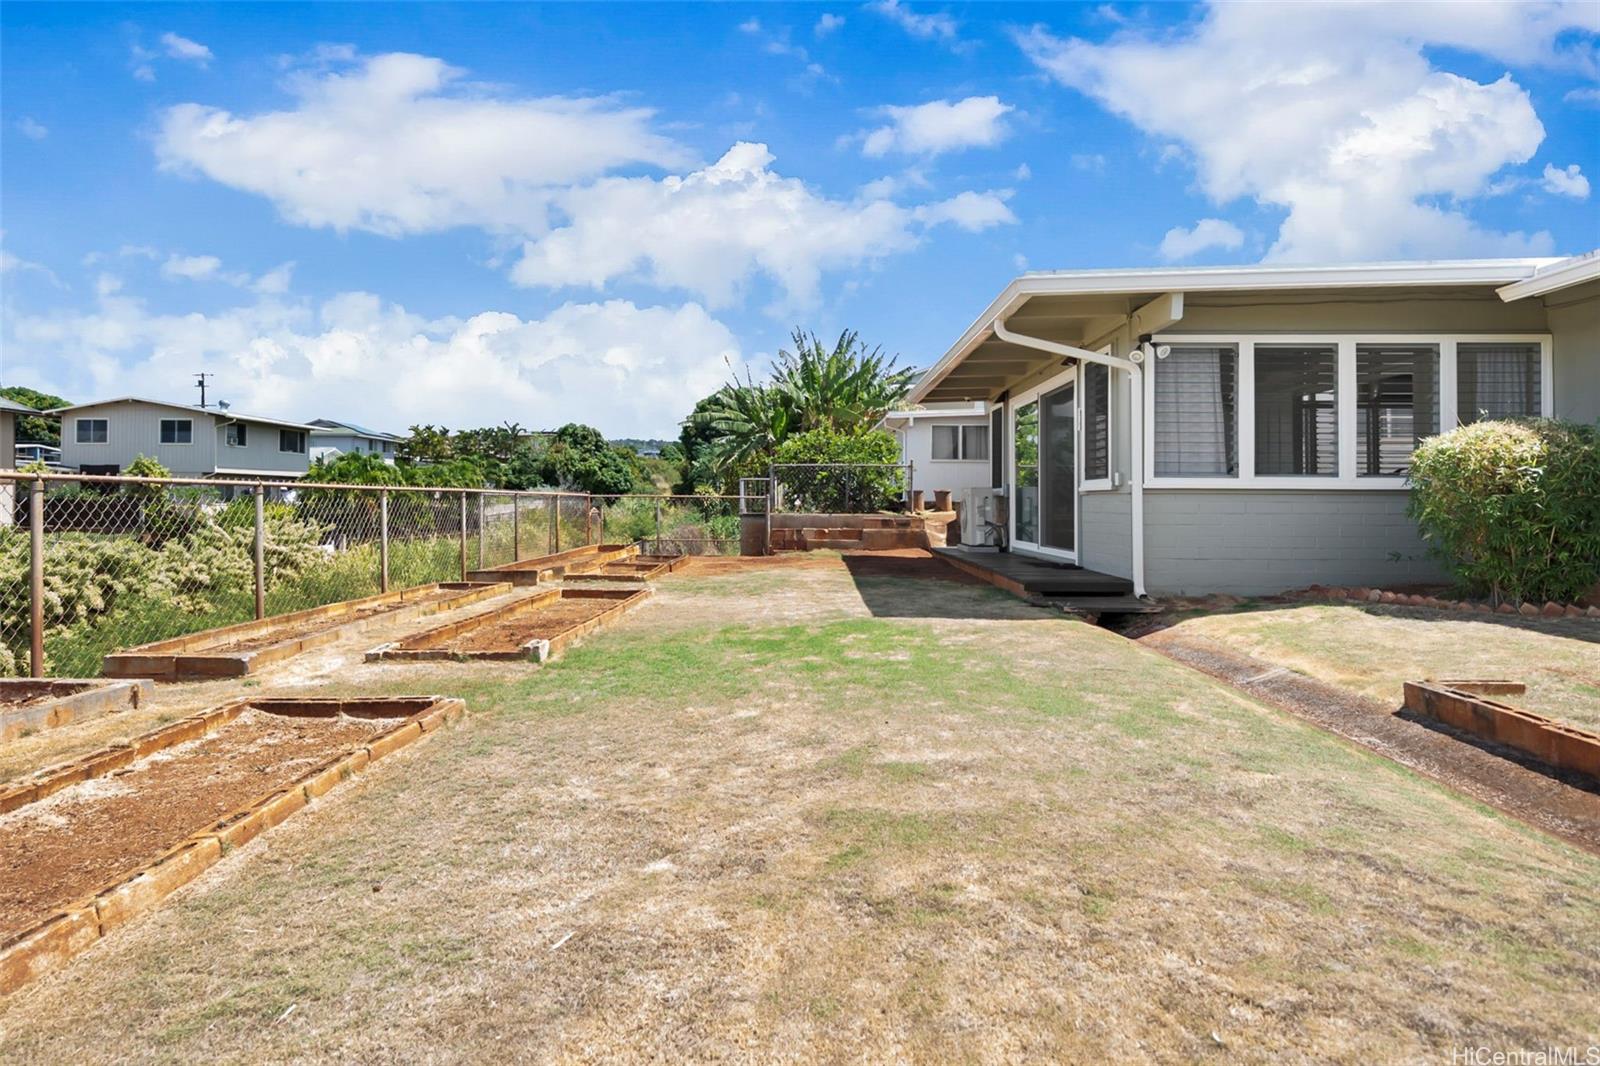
{"points": [[8, 439], [1254, 541], [134, 429], [333, 443]]}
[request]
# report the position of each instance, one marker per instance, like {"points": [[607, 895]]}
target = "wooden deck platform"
{"points": [[1060, 583]]}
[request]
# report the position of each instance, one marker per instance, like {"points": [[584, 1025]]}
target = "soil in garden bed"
{"points": [[541, 624], [61, 849], [297, 630]]}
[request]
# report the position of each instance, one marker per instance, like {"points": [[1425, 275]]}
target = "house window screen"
{"points": [[997, 447], [975, 443], [1096, 422], [947, 442], [236, 435], [1397, 405], [177, 431], [291, 440], [1297, 410], [1196, 401], [1497, 381]]}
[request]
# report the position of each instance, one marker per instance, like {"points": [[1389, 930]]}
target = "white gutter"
{"points": [[1574, 271], [1136, 450]]}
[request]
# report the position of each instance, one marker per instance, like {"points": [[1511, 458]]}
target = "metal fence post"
{"points": [[260, 494], [383, 540], [516, 528], [911, 475], [480, 531], [463, 534], [658, 527], [36, 578], [555, 524]]}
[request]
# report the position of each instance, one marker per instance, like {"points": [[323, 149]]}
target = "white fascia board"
{"points": [[1574, 271]]}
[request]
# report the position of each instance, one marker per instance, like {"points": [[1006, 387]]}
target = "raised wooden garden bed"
{"points": [[552, 567], [1466, 706], [88, 844], [236, 650], [28, 705], [533, 629]]}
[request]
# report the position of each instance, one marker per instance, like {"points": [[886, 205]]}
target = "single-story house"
{"points": [[105, 436], [947, 445], [1249, 429], [10, 410], [331, 439]]}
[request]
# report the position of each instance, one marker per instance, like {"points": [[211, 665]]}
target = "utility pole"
{"points": [[200, 383]]}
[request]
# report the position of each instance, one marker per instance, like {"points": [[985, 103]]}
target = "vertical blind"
{"points": [[1196, 401], [1096, 422], [1496, 380], [1297, 411], [1397, 404]]}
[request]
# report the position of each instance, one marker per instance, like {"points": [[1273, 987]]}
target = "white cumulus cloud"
{"points": [[1208, 233], [827, 24], [183, 48], [32, 128], [192, 267], [393, 146], [932, 27], [709, 230], [1566, 181], [939, 126], [1334, 113], [629, 370]]}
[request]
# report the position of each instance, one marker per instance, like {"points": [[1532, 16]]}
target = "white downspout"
{"points": [[1136, 449]]}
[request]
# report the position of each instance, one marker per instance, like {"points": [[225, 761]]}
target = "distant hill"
{"points": [[31, 429], [643, 446]]}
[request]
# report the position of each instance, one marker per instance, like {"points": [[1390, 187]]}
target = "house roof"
{"points": [[1553, 278], [1107, 296], [360, 431], [19, 408], [214, 412]]}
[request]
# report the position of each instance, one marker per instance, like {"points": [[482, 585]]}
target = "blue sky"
{"points": [[470, 214]]}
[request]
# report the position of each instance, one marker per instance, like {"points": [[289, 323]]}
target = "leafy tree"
{"points": [[868, 481], [36, 429], [427, 444], [579, 458]]}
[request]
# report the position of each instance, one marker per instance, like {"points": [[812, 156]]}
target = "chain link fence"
{"points": [[672, 525], [841, 488], [124, 561]]}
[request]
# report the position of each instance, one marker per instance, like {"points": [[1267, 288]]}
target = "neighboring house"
{"points": [[947, 445], [10, 410], [104, 437], [1249, 429], [331, 439]]}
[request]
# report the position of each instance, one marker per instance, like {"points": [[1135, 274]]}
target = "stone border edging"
{"points": [[1364, 594]]}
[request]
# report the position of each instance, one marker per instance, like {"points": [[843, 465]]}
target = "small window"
{"points": [[1297, 410], [1196, 404], [92, 431], [1096, 422], [961, 442], [1497, 381], [235, 436], [291, 440], [177, 431], [1397, 405]]}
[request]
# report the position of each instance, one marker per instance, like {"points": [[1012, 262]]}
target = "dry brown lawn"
{"points": [[1374, 650], [781, 813]]}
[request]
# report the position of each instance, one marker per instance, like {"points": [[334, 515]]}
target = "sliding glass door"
{"points": [[1044, 468]]}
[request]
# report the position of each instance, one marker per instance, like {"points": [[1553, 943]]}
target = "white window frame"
{"points": [[961, 441], [174, 442], [76, 422], [240, 426], [1107, 483], [1245, 408], [1022, 399]]}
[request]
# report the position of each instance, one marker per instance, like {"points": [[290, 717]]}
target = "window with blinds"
{"points": [[1496, 380], [1297, 410], [1196, 406], [975, 443], [947, 442], [1096, 422], [1397, 405]]}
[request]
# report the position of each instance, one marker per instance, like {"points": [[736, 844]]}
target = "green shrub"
{"points": [[1513, 507], [857, 488]]}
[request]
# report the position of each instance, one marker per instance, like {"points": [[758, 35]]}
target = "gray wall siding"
{"points": [[1261, 541], [916, 446], [8, 439], [1106, 532], [259, 453], [133, 430], [1575, 351]]}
